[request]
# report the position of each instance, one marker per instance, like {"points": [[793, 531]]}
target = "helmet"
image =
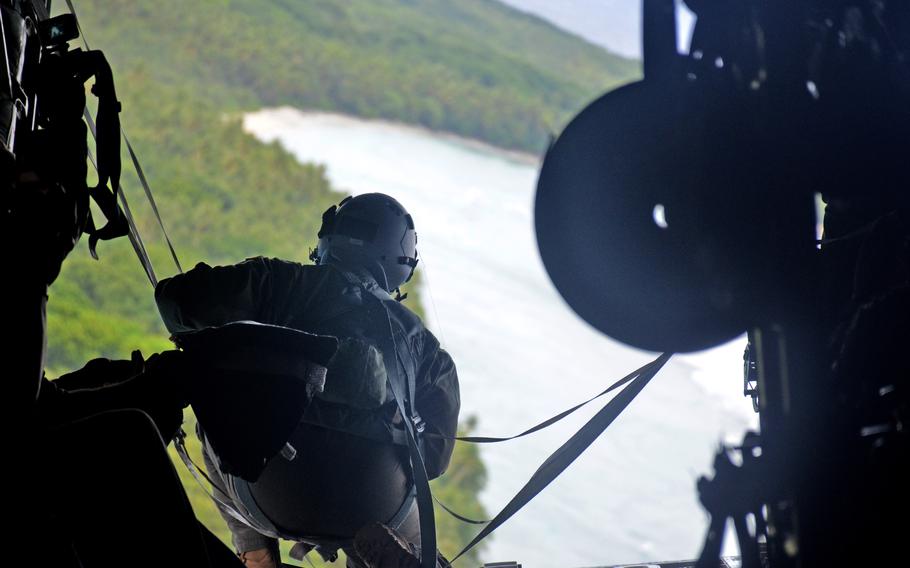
{"points": [[372, 231]]}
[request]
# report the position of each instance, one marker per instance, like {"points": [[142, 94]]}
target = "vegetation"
{"points": [[472, 67], [184, 73], [226, 196]]}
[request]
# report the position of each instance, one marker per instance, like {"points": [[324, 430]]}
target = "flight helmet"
{"points": [[372, 231]]}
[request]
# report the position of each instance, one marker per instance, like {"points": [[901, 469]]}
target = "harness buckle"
{"points": [[419, 423]]}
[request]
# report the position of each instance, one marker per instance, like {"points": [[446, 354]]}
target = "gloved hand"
{"points": [[102, 372], [163, 388], [172, 370], [155, 386]]}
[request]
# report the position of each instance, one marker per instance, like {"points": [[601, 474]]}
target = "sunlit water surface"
{"points": [[523, 355]]}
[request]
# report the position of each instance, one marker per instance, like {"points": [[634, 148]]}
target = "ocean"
{"points": [[523, 355]]}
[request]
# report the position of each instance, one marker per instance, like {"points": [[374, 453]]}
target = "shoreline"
{"points": [[472, 144]]}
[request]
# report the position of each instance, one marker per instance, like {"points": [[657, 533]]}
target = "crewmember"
{"points": [[346, 465]]}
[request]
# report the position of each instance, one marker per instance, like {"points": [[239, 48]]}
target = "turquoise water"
{"points": [[523, 356]]}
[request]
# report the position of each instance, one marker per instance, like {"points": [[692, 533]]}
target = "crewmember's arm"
{"points": [[207, 296], [438, 402]]}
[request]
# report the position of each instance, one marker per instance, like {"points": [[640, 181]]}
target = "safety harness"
{"points": [[402, 382], [401, 372]]}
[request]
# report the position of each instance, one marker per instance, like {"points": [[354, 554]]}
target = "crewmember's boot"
{"points": [[380, 546]]}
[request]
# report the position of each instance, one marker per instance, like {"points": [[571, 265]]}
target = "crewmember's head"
{"points": [[371, 231]]}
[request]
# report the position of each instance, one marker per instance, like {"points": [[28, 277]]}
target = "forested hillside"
{"points": [[472, 67], [225, 196], [186, 70]]}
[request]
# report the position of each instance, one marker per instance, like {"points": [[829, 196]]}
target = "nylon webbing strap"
{"points": [[40, 9], [151, 198], [418, 470], [550, 421], [69, 4], [135, 237], [545, 424], [398, 386], [139, 173], [424, 501], [458, 516], [198, 474], [569, 452]]}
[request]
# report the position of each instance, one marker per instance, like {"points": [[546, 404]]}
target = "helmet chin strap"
{"points": [[384, 281]]}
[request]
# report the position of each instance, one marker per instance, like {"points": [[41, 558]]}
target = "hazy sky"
{"points": [[614, 24]]}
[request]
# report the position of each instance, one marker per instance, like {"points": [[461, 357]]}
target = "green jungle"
{"points": [[185, 73]]}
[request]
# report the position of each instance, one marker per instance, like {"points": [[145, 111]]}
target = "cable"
{"points": [[151, 198], [426, 275], [133, 157], [135, 237]]}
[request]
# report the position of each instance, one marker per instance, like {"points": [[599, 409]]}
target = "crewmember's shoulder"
{"points": [[408, 318], [283, 269], [421, 337], [274, 263]]}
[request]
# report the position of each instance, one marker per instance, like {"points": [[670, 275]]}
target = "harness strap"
{"points": [[550, 421], [404, 389], [405, 509], [545, 424], [134, 234], [559, 460], [459, 516], [198, 474], [422, 483]]}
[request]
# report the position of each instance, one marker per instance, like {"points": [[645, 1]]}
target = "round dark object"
{"points": [[638, 223], [337, 484]]}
